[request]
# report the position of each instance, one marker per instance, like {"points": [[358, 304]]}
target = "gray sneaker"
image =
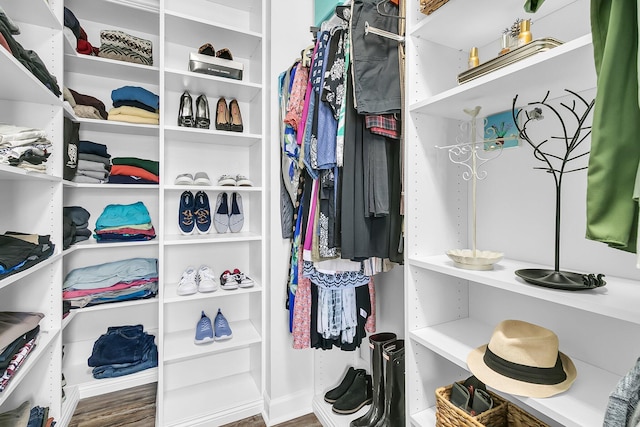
{"points": [[201, 178], [184, 179]]}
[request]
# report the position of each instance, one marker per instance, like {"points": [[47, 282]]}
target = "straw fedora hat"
{"points": [[523, 359]]}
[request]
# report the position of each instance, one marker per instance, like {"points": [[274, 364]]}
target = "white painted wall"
{"points": [[289, 373]]}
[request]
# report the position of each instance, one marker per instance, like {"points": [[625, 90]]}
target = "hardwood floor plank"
{"points": [[136, 407]]}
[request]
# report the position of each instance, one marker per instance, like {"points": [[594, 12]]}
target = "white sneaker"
{"points": [[243, 181], [207, 281], [188, 284], [201, 178], [184, 179], [227, 180]]}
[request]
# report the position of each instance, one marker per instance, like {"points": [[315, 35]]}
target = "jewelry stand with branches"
{"points": [[558, 164], [472, 154]]}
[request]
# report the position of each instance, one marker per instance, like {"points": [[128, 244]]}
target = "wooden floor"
{"points": [[136, 407]]}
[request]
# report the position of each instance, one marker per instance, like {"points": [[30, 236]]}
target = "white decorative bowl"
{"points": [[484, 260]]}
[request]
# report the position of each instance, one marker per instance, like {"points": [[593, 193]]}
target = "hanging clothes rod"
{"points": [[382, 33]]}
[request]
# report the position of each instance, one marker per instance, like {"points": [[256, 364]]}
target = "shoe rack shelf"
{"points": [[326, 416], [179, 80], [212, 136], [450, 311], [214, 188], [173, 297]]}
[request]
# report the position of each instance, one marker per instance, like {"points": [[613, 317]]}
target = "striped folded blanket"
{"points": [[125, 47]]}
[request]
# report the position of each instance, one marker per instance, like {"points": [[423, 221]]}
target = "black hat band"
{"points": [[529, 374]]}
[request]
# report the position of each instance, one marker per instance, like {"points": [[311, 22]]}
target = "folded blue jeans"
{"points": [[36, 416], [121, 344], [149, 360]]}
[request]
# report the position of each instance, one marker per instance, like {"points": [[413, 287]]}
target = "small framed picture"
{"points": [[500, 130]]}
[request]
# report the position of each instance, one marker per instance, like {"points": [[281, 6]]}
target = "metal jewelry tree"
{"points": [[472, 154], [558, 165]]}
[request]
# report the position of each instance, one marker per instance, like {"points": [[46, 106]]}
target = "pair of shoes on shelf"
{"points": [[194, 213], [230, 280], [228, 118], [228, 217], [201, 280], [200, 178], [186, 112], [234, 181], [208, 49], [353, 392], [206, 332]]}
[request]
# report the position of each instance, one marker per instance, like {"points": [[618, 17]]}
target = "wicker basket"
{"points": [[503, 413], [429, 6]]}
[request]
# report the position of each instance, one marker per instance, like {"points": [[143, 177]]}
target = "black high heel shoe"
{"points": [[202, 112], [235, 124], [185, 113], [222, 115]]}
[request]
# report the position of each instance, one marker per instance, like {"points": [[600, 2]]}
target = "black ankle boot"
{"points": [[358, 395], [334, 394], [394, 413], [377, 407]]}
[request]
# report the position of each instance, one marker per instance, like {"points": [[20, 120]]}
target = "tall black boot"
{"points": [[394, 413], [377, 407]]}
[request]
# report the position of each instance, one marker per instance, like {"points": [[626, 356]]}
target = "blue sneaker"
{"points": [[186, 220], [223, 331], [203, 212], [204, 330]]}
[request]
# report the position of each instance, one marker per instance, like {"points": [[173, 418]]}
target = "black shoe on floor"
{"points": [[358, 395], [332, 395]]}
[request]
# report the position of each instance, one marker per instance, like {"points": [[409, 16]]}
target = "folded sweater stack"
{"points": [[133, 170], [134, 104], [94, 163], [124, 223], [85, 106]]}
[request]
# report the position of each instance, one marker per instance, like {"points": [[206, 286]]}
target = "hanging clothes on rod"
{"points": [[340, 192]]}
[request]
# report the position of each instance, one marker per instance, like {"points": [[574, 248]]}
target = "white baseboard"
{"points": [[287, 407]]}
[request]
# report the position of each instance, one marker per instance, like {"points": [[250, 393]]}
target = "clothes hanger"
{"points": [[382, 13]]}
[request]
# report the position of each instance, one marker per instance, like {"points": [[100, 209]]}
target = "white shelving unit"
{"points": [[25, 101], [450, 311], [190, 391], [97, 77]]}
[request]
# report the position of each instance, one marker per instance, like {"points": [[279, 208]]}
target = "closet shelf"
{"points": [[88, 386], [212, 237], [213, 86], [96, 66], [110, 306], [216, 188], [15, 277], [179, 346], [196, 404], [181, 135], [424, 418], [114, 127], [136, 187], [580, 406], [45, 338], [10, 173], [246, 5], [36, 12], [18, 84], [72, 396], [528, 78], [193, 32], [171, 296], [327, 417], [618, 299], [456, 24], [91, 244], [132, 16]]}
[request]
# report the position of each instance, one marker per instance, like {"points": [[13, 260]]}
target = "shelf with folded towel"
{"points": [[580, 406], [36, 12], [104, 67], [18, 84]]}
